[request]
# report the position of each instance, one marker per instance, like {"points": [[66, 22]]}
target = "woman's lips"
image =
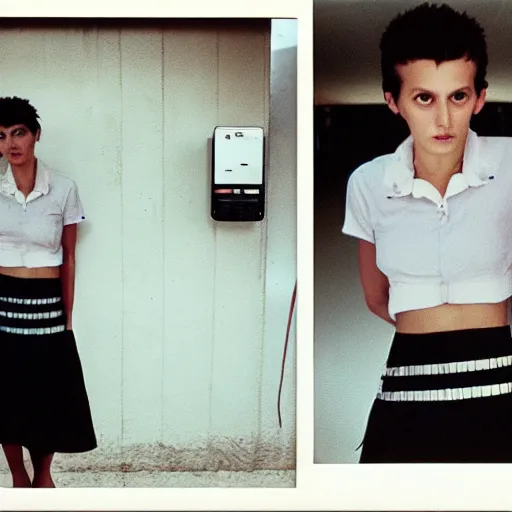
{"points": [[443, 138]]}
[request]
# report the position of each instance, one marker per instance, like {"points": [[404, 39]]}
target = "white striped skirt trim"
{"points": [[446, 368], [31, 316], [446, 394], [36, 330], [34, 321], [30, 302]]}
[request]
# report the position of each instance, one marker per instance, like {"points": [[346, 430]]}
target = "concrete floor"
{"points": [[169, 479]]}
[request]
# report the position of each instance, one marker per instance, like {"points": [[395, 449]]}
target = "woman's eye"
{"points": [[459, 96], [424, 99], [19, 133]]}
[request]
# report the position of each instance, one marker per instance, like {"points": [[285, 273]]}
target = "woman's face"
{"points": [[17, 143], [437, 102]]}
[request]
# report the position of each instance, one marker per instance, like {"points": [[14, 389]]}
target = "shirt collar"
{"points": [[478, 168], [8, 184]]}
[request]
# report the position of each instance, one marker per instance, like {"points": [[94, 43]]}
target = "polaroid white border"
{"points": [[319, 487]]}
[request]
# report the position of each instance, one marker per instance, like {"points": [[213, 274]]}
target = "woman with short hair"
{"points": [[43, 401], [434, 222]]}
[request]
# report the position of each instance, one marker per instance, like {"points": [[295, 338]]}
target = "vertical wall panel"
{"points": [[142, 232], [239, 273], [282, 244], [98, 321], [190, 104]]}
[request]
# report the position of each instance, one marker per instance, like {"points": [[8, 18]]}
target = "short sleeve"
{"points": [[357, 213], [73, 210]]}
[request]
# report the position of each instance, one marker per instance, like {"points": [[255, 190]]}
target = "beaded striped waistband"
{"points": [[33, 330], [32, 315], [35, 302], [446, 368], [447, 381], [426, 395]]}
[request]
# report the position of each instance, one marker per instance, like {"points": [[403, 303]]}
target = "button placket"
{"points": [[442, 209]]}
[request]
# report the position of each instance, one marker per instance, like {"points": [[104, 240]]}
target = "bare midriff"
{"points": [[452, 317], [31, 273]]}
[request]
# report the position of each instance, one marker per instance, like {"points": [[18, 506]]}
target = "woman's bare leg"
{"points": [[14, 456], [42, 469]]}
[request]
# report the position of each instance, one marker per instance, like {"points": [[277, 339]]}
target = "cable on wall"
{"points": [[290, 316]]}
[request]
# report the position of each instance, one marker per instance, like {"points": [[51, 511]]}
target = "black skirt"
{"points": [[43, 400], [444, 397]]}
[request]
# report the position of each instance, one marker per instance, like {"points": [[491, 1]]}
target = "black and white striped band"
{"points": [[35, 330], [426, 395], [32, 316], [447, 368], [31, 302]]}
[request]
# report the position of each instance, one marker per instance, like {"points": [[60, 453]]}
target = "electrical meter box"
{"points": [[238, 184]]}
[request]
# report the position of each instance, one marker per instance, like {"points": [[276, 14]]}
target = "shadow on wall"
{"points": [[351, 344]]}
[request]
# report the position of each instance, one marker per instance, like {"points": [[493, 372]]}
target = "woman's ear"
{"points": [[391, 103], [480, 102]]}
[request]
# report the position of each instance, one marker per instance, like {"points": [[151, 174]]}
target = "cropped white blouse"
{"points": [[31, 227], [434, 250]]}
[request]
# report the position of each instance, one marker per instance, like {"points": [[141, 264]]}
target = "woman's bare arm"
{"points": [[67, 271], [375, 283]]}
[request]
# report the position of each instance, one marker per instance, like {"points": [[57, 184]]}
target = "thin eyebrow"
{"points": [[426, 91]]}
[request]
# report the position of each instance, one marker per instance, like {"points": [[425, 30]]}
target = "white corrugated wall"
{"points": [[180, 353]]}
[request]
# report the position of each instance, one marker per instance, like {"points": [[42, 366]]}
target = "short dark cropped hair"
{"points": [[18, 111], [432, 32]]}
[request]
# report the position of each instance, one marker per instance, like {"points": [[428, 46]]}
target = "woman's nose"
{"points": [[443, 116]]}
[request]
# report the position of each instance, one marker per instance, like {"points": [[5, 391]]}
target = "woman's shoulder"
{"points": [[372, 171], [491, 146], [56, 178], [495, 153]]}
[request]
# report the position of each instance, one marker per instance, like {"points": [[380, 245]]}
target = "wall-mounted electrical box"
{"points": [[238, 184]]}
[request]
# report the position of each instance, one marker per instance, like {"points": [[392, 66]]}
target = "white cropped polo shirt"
{"points": [[435, 250], [31, 227]]}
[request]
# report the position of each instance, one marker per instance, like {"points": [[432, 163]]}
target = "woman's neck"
{"points": [[25, 176], [437, 170], [429, 167]]}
